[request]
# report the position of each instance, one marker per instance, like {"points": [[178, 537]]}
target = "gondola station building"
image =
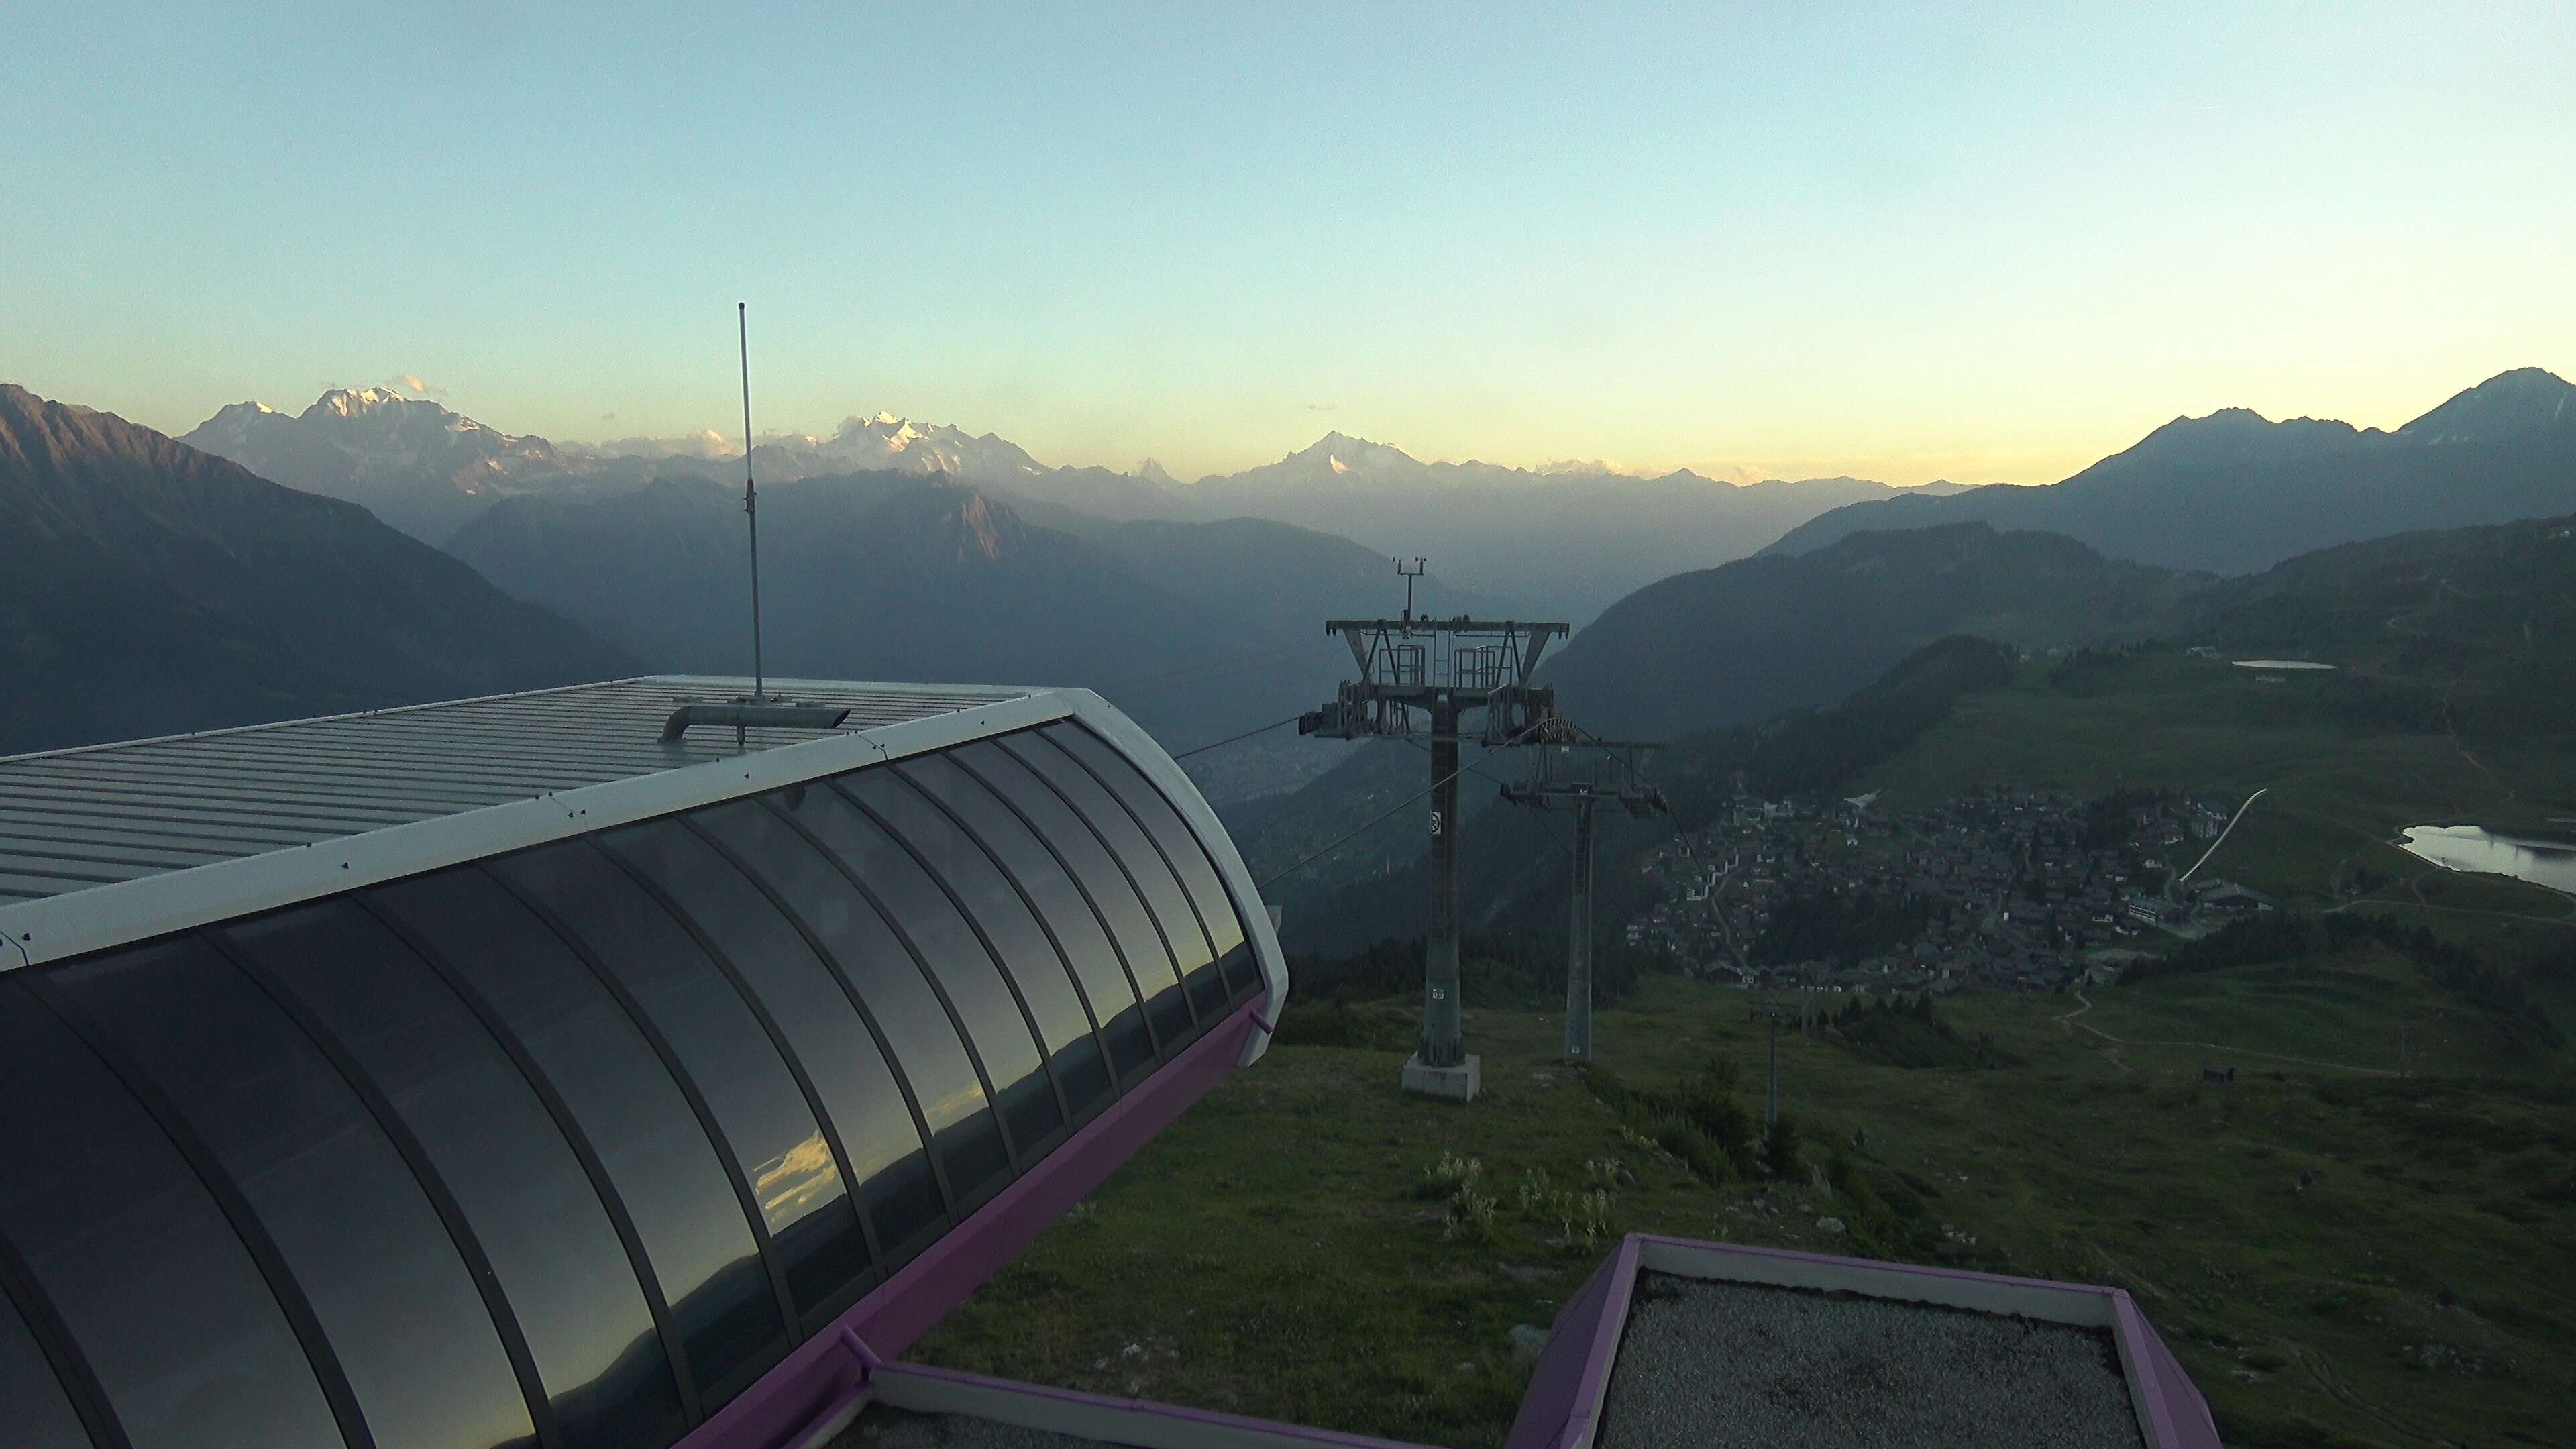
{"points": [[616, 1067]]}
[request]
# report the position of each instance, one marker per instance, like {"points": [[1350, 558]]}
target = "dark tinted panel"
{"points": [[1136, 851], [1189, 858], [353, 1226], [648, 1141], [1060, 901], [878, 1135], [177, 1323], [1131, 925], [875, 966], [1017, 939], [553, 1250], [39, 1412], [964, 971], [777, 1144]]}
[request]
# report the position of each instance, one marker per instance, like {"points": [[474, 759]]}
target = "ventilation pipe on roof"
{"points": [[744, 716]]}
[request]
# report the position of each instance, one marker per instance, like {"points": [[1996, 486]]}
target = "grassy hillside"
{"points": [[2471, 629], [1286, 1248], [2358, 1244], [2339, 791]]}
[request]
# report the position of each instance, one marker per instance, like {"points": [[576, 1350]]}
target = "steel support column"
{"points": [[1578, 943], [1443, 1041]]}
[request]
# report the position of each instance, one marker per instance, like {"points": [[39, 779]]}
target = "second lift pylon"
{"points": [[1582, 775]]}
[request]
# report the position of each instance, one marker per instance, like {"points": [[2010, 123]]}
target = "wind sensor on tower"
{"points": [[1446, 669]]}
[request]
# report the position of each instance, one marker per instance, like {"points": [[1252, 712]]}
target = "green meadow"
{"points": [[2339, 1258], [2365, 1240]]}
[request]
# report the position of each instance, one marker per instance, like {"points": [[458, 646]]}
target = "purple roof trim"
{"points": [[829, 1371], [2173, 1402], [1573, 1373], [1557, 1384], [1208, 1417]]}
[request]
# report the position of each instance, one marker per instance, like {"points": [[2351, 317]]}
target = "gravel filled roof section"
{"points": [[100, 814], [1735, 1364]]}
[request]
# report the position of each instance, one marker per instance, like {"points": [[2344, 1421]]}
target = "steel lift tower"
{"points": [[1583, 776], [1447, 669]]}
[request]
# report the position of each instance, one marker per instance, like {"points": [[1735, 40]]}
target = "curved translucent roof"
{"points": [[570, 1142]]}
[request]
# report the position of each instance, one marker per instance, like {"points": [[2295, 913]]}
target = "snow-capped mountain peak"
{"points": [[351, 402], [1338, 453]]}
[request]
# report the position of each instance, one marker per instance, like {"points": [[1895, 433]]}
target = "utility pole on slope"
{"points": [[1771, 1090], [1447, 669], [1583, 777]]}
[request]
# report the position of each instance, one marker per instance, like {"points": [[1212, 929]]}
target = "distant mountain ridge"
{"points": [[2234, 492], [429, 470], [153, 588], [1743, 641], [414, 464], [1572, 541], [1570, 536], [910, 576]]}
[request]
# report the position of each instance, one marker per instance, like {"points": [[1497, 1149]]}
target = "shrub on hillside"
{"points": [[1781, 1147], [1697, 1121]]}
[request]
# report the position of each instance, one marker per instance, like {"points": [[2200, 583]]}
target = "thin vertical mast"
{"points": [[751, 502]]}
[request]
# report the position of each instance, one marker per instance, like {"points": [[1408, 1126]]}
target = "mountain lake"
{"points": [[2472, 848]]}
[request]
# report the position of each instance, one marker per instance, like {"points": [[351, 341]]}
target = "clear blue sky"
{"points": [[1980, 242]]}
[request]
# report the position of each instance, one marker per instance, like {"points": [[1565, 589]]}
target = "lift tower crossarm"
{"points": [[1457, 665]]}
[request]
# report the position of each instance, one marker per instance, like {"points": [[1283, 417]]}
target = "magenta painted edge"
{"points": [[1147, 1406], [829, 1369], [1556, 1381], [2181, 1414], [1601, 1349], [1603, 1352]]}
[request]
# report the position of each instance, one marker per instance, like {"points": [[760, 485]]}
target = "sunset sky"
{"points": [[1970, 242]]}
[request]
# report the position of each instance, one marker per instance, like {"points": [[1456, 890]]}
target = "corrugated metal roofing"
{"points": [[73, 819]]}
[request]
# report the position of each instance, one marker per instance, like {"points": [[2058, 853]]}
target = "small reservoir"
{"points": [[2475, 849]]}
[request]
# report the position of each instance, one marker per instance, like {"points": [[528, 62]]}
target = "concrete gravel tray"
{"points": [[1715, 1364], [1675, 1341]]}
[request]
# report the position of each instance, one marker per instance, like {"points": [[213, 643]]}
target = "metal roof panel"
{"points": [[74, 819]]}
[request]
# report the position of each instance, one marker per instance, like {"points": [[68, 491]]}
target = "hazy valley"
{"points": [[1857, 692]]}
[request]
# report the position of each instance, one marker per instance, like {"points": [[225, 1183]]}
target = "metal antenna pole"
{"points": [[1410, 574], [751, 504]]}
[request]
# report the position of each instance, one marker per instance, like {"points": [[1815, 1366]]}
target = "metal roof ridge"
{"points": [[140, 907], [355, 714]]}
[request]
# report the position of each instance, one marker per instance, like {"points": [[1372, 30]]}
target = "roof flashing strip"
{"points": [[51, 928]]}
